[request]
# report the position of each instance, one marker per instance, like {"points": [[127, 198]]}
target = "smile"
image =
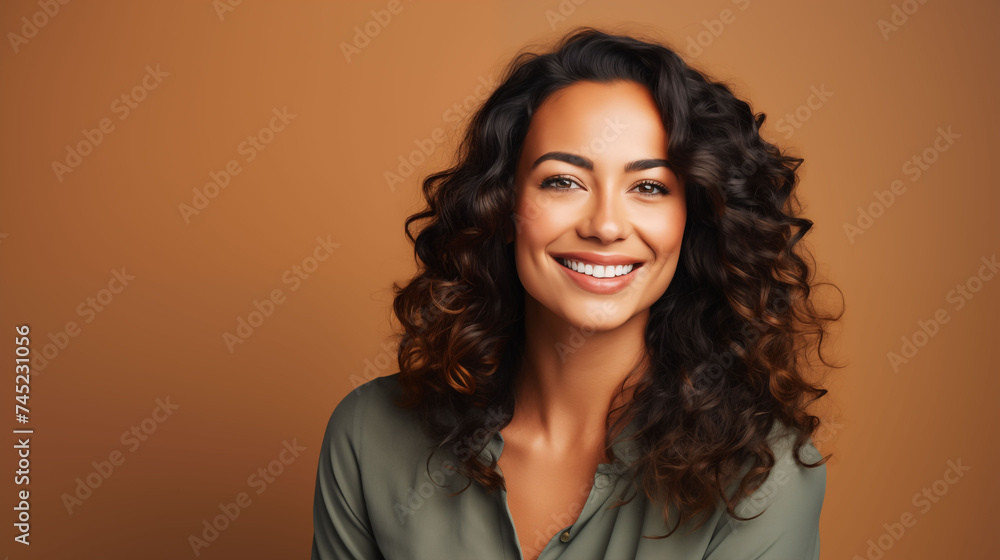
{"points": [[613, 279], [598, 271]]}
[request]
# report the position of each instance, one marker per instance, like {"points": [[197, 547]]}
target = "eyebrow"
{"points": [[581, 161]]}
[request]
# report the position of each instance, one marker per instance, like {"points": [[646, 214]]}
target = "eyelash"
{"points": [[549, 183]]}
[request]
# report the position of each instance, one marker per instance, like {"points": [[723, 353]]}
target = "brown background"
{"points": [[892, 432]]}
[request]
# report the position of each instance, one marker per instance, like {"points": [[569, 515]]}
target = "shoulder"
{"points": [[780, 519], [799, 490], [367, 426], [342, 522], [369, 407]]}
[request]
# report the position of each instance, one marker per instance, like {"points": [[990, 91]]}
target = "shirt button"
{"points": [[564, 537]]}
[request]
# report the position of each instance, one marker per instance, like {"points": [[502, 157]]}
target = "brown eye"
{"points": [[560, 182], [656, 189]]}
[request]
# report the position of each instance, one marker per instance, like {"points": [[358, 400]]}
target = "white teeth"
{"points": [[597, 271]]}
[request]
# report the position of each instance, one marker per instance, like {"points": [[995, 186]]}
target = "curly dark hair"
{"points": [[741, 290]]}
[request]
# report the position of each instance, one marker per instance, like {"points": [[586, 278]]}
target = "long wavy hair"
{"points": [[728, 342]]}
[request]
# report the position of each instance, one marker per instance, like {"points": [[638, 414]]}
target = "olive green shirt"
{"points": [[375, 499]]}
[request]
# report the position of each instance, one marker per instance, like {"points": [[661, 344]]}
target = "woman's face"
{"points": [[593, 190]]}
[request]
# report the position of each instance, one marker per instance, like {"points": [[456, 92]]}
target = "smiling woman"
{"points": [[598, 210], [604, 352]]}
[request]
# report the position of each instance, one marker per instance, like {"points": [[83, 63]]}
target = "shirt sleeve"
{"points": [[341, 526], [791, 499]]}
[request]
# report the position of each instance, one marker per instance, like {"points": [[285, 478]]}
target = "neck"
{"points": [[570, 376]]}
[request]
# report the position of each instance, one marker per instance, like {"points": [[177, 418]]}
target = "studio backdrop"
{"points": [[201, 219]]}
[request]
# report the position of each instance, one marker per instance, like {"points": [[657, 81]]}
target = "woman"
{"points": [[603, 354]]}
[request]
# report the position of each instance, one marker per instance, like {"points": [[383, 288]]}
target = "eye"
{"points": [[663, 190], [559, 182]]}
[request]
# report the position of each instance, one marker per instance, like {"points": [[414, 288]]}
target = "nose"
{"points": [[607, 216]]}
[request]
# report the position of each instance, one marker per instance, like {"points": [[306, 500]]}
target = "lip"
{"points": [[600, 285]]}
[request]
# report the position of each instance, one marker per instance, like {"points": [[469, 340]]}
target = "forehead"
{"points": [[600, 120]]}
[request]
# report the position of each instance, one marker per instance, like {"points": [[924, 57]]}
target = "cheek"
{"points": [[664, 232], [539, 220]]}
